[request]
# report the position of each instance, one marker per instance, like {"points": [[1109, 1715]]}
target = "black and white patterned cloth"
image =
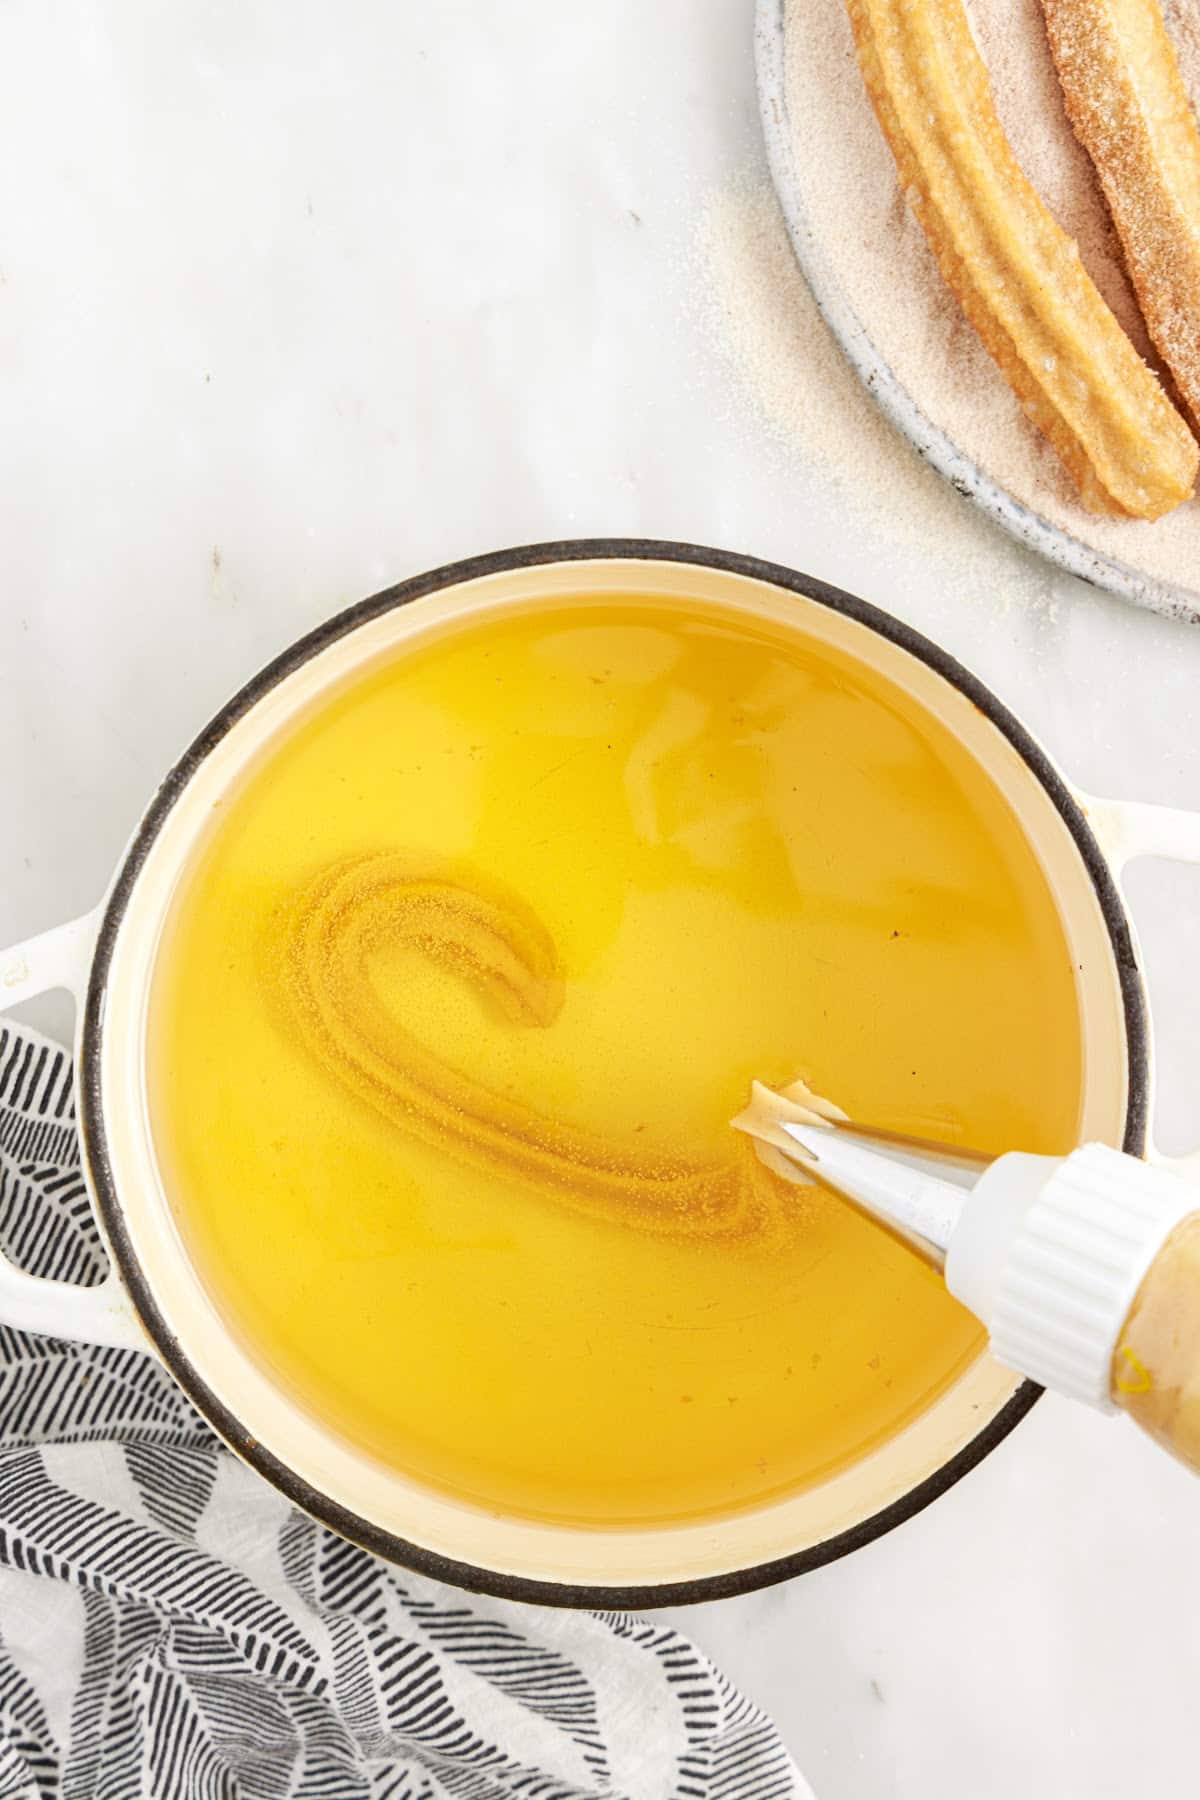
{"points": [[170, 1627]]}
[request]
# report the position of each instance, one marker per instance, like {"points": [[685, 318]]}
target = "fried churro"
{"points": [[1016, 274], [321, 947], [1129, 108]]}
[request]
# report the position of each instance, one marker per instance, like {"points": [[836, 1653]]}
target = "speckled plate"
{"points": [[911, 412]]}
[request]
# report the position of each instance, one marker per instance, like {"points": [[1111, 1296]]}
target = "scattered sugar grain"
{"points": [[757, 314]]}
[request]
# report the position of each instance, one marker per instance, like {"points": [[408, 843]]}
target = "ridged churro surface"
{"points": [[1126, 100], [1017, 275]]}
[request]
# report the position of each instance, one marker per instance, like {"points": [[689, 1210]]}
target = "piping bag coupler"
{"points": [[1085, 1268]]}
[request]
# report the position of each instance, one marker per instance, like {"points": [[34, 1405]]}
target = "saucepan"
{"points": [[154, 1300]]}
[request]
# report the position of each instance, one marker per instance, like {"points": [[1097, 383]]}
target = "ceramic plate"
{"points": [[922, 417]]}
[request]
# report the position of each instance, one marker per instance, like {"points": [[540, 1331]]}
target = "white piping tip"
{"points": [[899, 1190]]}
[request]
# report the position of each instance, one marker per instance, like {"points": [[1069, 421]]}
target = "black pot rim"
{"points": [[99, 1168]]}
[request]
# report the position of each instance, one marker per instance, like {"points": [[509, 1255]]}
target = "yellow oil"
{"points": [[468, 978]]}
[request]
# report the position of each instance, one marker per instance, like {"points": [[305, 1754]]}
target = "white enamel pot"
{"points": [[154, 1300]]}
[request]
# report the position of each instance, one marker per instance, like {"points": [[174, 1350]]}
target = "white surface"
{"points": [[297, 300]]}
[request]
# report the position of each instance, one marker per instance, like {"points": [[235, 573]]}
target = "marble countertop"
{"points": [[297, 301]]}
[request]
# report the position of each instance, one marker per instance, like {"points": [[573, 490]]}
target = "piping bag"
{"points": [[1084, 1268]]}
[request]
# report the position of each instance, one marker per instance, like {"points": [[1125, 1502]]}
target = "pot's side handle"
{"points": [[60, 958], [1130, 829], [1127, 830]]}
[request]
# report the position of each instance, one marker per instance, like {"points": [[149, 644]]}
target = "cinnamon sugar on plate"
{"points": [[875, 253]]}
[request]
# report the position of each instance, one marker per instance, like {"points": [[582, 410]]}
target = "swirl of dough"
{"points": [[487, 936]]}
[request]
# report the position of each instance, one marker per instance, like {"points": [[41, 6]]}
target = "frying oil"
{"points": [[459, 996]]}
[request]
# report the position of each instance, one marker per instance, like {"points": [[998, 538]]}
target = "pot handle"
{"points": [[60, 958], [1128, 830]]}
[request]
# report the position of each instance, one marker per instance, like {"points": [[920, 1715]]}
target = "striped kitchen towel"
{"points": [[170, 1627]]}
